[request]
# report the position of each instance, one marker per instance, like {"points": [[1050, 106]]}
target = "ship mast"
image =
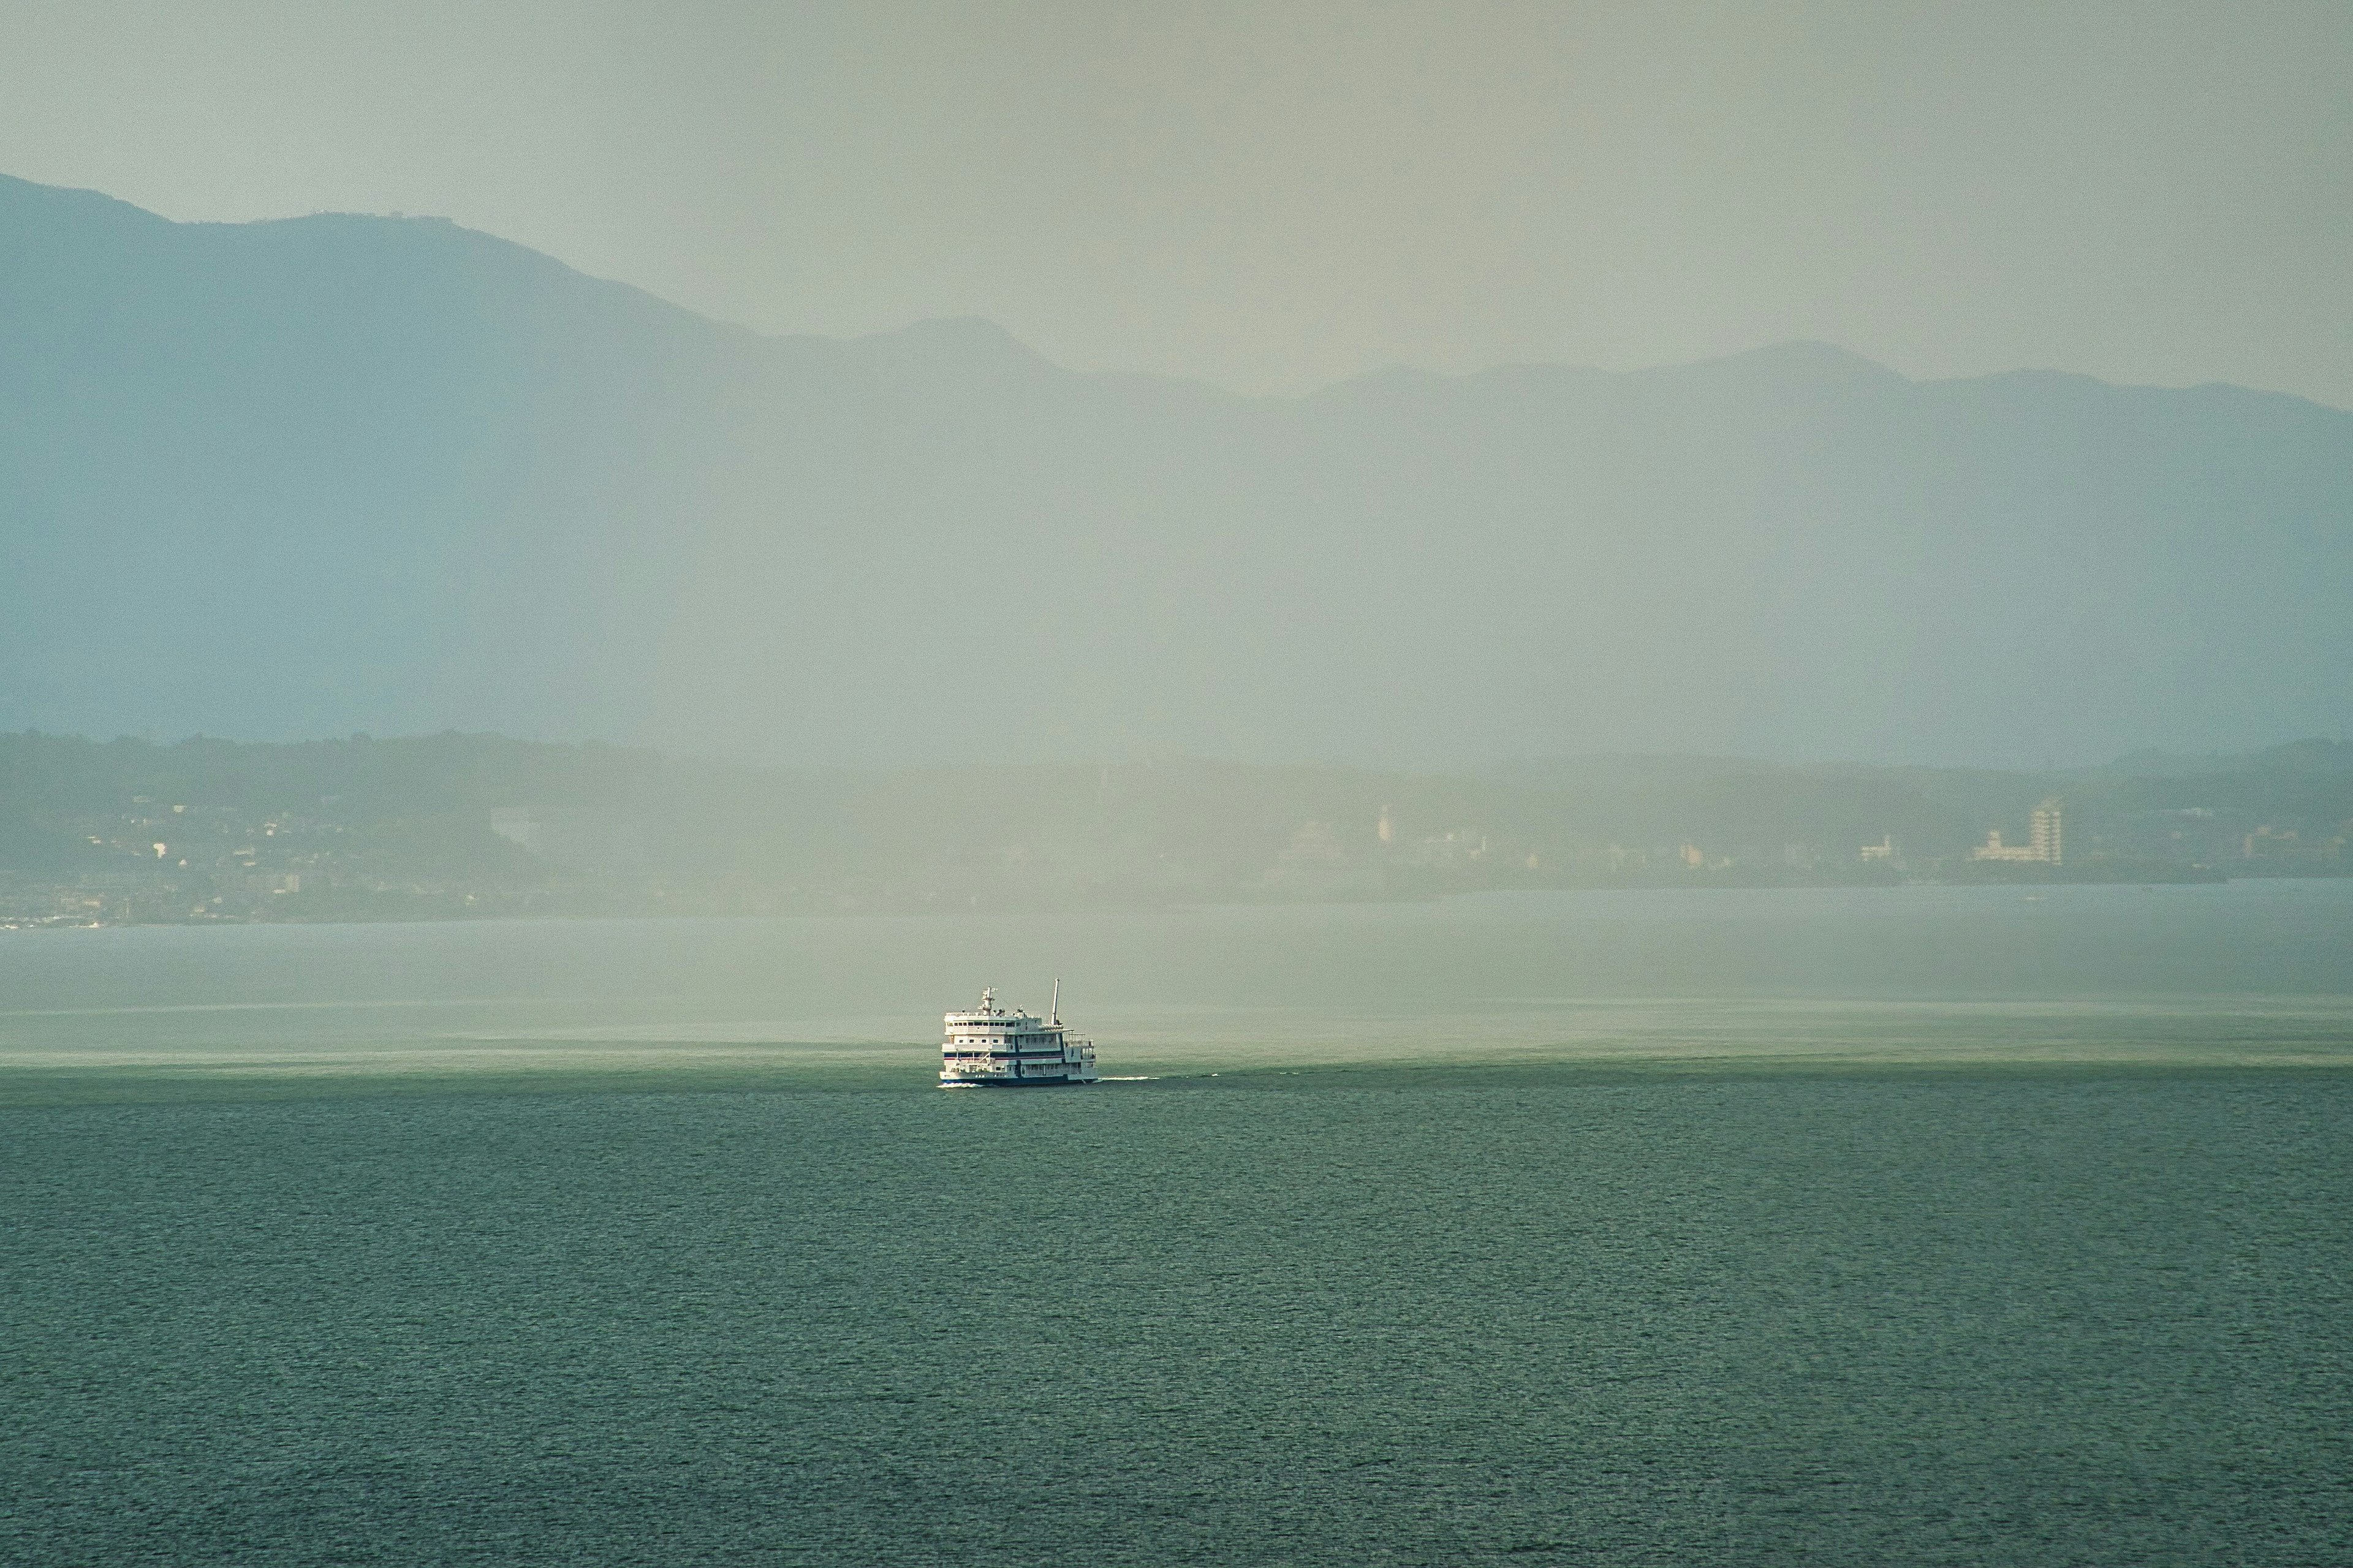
{"points": [[1054, 1010]]}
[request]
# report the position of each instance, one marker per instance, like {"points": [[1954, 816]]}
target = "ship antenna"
{"points": [[1054, 1011]]}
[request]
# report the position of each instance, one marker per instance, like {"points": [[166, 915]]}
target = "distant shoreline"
{"points": [[463, 826]]}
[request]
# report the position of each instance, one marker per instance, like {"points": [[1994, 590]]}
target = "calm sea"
{"points": [[1806, 1228]]}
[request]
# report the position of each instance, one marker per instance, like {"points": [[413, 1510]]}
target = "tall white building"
{"points": [[2043, 845], [2043, 831]]}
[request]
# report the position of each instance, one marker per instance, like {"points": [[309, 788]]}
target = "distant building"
{"points": [[2043, 833], [1314, 843], [1882, 850], [2263, 840], [2287, 848], [517, 827], [2043, 845]]}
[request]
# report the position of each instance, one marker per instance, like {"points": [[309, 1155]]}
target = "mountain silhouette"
{"points": [[345, 473]]}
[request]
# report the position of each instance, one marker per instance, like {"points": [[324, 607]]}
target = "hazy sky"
{"points": [[1271, 196]]}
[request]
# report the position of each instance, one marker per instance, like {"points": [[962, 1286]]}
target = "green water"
{"points": [[1920, 1231]]}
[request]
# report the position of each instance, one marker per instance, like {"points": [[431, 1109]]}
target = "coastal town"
{"points": [[469, 827]]}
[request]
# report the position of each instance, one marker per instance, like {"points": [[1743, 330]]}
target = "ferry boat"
{"points": [[990, 1047]]}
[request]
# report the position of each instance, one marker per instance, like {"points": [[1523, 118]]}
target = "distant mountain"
{"points": [[345, 473]]}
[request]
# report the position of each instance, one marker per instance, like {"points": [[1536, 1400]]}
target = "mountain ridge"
{"points": [[1821, 352], [324, 474]]}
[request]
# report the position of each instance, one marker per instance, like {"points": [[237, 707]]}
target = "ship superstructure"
{"points": [[992, 1048]]}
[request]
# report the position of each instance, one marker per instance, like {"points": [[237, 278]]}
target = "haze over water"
{"points": [[1609, 1228], [2222, 973]]}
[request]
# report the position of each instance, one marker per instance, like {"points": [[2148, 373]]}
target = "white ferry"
{"points": [[990, 1047]]}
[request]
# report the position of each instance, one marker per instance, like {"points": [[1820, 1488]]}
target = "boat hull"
{"points": [[1016, 1082]]}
